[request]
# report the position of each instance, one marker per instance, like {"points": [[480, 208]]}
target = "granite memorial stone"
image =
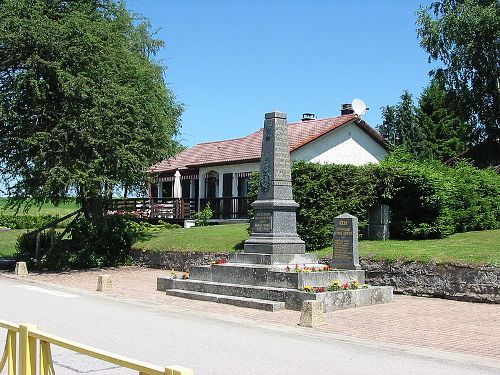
{"points": [[275, 227], [345, 242]]}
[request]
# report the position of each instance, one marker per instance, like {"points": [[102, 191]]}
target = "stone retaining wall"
{"points": [[176, 260], [460, 282]]}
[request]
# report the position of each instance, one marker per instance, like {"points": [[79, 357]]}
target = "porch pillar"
{"points": [[235, 185], [201, 186], [220, 185]]}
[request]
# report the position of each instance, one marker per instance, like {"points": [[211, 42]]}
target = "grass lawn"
{"points": [[472, 247], [46, 209], [8, 241], [207, 239]]}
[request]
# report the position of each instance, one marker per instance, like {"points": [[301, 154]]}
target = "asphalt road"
{"points": [[211, 344]]}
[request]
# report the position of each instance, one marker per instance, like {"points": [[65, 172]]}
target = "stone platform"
{"points": [[271, 285]]}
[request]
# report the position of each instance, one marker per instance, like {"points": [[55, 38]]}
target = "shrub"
{"points": [[26, 246], [107, 243], [25, 221], [326, 191], [201, 218], [427, 199], [417, 195]]}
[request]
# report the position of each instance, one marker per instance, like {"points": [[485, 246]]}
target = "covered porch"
{"points": [[178, 195]]}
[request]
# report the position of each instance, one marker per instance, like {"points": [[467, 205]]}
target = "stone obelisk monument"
{"points": [[275, 228]]}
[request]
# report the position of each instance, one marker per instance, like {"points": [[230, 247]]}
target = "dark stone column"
{"points": [[275, 227]]}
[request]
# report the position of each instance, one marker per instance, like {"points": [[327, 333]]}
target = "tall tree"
{"points": [[401, 126], [464, 35], [435, 129], [84, 108], [446, 130]]}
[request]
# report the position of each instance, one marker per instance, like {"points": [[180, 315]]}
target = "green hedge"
{"points": [[25, 221], [325, 191], [427, 199], [107, 243]]}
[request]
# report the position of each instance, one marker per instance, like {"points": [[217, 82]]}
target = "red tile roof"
{"points": [[249, 148]]}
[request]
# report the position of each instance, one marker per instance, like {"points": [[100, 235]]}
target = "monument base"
{"points": [[272, 282], [274, 245]]}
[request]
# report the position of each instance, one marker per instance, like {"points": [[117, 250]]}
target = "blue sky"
{"points": [[229, 62]]}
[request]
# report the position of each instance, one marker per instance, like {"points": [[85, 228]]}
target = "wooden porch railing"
{"points": [[227, 208], [162, 208], [170, 208]]}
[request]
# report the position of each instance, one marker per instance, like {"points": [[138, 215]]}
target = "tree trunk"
{"points": [[94, 208]]}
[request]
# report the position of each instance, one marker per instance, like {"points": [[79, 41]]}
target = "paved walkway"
{"points": [[452, 326]]}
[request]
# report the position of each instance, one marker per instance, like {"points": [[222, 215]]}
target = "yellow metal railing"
{"points": [[9, 353], [29, 336]]}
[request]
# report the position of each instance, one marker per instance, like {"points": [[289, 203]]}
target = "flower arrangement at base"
{"points": [[314, 289], [220, 261], [185, 275], [334, 286], [355, 284], [304, 268], [308, 288]]}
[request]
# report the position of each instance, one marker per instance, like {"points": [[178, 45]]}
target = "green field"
{"points": [[45, 209], [8, 241]]}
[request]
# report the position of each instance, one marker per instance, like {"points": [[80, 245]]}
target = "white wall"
{"points": [[345, 145], [221, 169]]}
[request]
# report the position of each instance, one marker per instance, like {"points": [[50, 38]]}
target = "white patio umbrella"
{"points": [[177, 185]]}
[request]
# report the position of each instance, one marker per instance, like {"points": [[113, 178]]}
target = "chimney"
{"points": [[308, 116], [346, 109]]}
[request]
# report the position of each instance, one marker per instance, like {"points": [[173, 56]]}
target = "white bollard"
{"points": [[21, 269], [312, 314], [104, 283]]}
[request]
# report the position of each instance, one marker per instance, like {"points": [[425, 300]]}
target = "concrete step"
{"points": [[253, 303], [235, 290]]}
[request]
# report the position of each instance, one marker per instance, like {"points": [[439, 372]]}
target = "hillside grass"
{"points": [[45, 209], [472, 247], [476, 248]]}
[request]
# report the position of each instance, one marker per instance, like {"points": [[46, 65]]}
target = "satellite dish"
{"points": [[359, 107]]}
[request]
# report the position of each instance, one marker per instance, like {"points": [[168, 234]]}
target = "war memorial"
{"points": [[274, 271]]}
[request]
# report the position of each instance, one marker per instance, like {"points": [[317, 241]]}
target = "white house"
{"points": [[217, 172]]}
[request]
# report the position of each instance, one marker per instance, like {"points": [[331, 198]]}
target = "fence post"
{"points": [[27, 350], [46, 366], [11, 352], [178, 370]]}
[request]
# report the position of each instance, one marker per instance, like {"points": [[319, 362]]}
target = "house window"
{"points": [[211, 184], [167, 189], [242, 186], [154, 191], [186, 189], [227, 185]]}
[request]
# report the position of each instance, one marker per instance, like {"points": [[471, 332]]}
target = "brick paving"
{"points": [[452, 326]]}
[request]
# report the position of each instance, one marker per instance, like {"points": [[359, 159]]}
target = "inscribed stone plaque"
{"points": [[345, 242], [263, 222]]}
